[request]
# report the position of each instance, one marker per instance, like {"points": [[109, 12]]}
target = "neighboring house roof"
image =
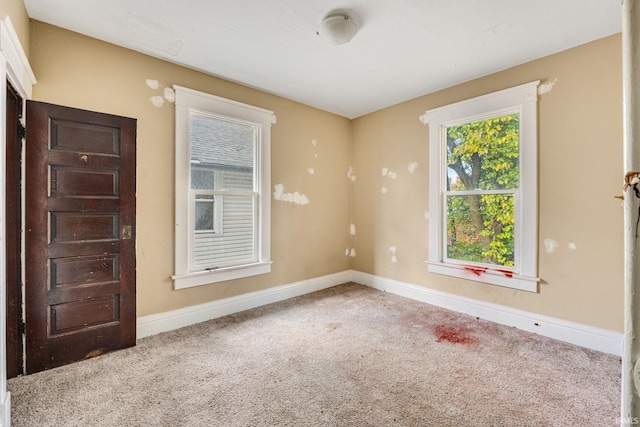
{"points": [[221, 143]]}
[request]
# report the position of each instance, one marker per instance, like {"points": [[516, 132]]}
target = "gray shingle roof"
{"points": [[220, 143]]}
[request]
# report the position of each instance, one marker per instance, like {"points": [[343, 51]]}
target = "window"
{"points": [[483, 188], [222, 189]]}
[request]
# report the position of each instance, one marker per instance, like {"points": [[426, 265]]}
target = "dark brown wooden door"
{"points": [[13, 233], [79, 235]]}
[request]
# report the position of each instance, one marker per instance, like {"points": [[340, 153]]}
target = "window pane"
{"points": [[480, 228], [204, 216], [202, 179], [237, 180], [484, 154], [222, 147], [235, 242]]}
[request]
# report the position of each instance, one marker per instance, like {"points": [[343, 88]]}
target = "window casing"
{"points": [[483, 205], [222, 229]]}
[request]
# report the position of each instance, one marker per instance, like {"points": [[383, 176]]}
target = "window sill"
{"points": [[486, 275], [200, 278]]}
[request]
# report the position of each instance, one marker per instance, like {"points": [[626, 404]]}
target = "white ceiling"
{"points": [[404, 48]]}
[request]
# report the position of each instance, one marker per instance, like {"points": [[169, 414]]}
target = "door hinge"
{"points": [[22, 131], [22, 328]]}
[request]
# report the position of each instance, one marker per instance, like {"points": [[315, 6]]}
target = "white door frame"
{"points": [[14, 67]]}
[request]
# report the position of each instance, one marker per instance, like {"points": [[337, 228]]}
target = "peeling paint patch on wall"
{"points": [[350, 252], [572, 246], [546, 86], [551, 245], [426, 215], [391, 175], [157, 101], [169, 94], [296, 198], [311, 170], [412, 167], [353, 229], [392, 251], [351, 175]]}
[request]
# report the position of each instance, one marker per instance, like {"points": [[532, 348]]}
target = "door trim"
{"points": [[18, 70], [13, 238], [14, 66]]}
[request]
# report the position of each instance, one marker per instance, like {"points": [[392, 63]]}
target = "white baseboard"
{"points": [[5, 410], [162, 322], [586, 336], [602, 340]]}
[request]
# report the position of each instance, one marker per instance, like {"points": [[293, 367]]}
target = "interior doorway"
{"points": [[13, 221], [78, 217]]}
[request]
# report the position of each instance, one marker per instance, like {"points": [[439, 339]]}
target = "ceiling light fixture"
{"points": [[337, 29]]}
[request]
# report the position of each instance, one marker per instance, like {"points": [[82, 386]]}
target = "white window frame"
{"points": [[188, 101], [523, 100], [217, 207], [217, 210]]}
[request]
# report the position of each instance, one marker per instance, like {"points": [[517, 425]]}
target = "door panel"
{"points": [[80, 266], [13, 234]]}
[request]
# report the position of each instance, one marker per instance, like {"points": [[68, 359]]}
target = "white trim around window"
{"points": [[523, 100], [188, 103]]}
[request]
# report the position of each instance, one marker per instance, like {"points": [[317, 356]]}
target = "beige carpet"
{"points": [[346, 356]]}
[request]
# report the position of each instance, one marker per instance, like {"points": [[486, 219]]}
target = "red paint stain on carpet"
{"points": [[454, 334]]}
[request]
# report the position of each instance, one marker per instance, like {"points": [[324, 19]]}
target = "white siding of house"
{"points": [[236, 242]]}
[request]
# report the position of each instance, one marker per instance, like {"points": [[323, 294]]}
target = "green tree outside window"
{"points": [[483, 165]]}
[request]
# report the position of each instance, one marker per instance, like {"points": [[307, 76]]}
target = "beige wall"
{"points": [[580, 151], [580, 169], [307, 241], [16, 11]]}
